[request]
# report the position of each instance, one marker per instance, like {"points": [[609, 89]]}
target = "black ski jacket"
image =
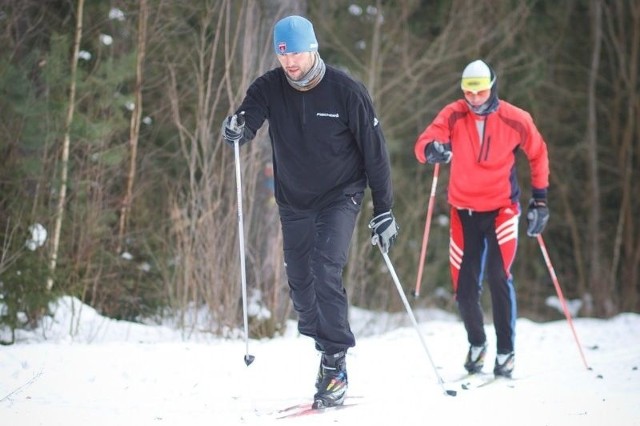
{"points": [[326, 141]]}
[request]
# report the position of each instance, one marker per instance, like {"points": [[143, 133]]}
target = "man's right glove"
{"points": [[537, 217], [384, 230], [233, 128], [436, 152]]}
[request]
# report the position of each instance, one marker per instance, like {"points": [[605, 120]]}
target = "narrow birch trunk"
{"points": [[53, 260], [134, 129]]}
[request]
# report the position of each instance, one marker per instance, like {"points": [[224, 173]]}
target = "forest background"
{"points": [[110, 143]]}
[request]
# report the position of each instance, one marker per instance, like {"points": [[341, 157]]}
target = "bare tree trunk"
{"points": [[375, 60], [595, 275], [134, 132], [65, 148]]}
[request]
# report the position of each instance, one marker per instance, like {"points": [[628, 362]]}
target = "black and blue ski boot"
{"points": [[475, 358], [504, 365], [331, 382]]}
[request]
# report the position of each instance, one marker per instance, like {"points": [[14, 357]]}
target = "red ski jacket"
{"points": [[483, 170]]}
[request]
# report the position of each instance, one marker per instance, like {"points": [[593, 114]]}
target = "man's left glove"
{"points": [[233, 128], [537, 217], [384, 230], [437, 152]]}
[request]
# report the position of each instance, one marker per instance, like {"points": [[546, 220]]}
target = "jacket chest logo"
{"points": [[328, 114]]}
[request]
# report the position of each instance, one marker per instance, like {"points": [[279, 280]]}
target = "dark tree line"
{"points": [[110, 141]]}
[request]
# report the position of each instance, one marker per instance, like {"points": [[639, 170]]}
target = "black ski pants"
{"points": [[316, 247], [483, 245]]}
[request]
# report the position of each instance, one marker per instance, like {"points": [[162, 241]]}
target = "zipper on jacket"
{"points": [[484, 145], [486, 150]]}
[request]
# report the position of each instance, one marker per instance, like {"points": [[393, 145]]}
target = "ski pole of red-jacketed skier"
{"points": [[563, 302], [427, 227]]}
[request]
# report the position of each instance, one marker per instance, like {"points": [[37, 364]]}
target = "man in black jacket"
{"points": [[327, 147]]}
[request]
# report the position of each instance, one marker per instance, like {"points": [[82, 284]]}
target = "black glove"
{"points": [[233, 128], [436, 152], [537, 217], [384, 230]]}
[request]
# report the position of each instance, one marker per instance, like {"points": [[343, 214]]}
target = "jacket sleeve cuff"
{"points": [[539, 193]]}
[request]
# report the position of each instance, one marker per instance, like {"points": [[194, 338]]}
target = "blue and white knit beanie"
{"points": [[294, 34]]}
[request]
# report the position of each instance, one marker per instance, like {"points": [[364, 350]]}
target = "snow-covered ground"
{"points": [[84, 369]]}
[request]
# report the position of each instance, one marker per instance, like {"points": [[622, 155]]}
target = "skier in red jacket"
{"points": [[480, 136]]}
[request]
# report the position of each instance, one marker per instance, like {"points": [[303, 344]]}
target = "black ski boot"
{"points": [[475, 358], [331, 382], [504, 365]]}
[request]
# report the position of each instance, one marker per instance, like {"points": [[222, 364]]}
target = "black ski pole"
{"points": [[413, 320]]}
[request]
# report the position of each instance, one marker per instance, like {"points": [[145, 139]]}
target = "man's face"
{"points": [[296, 65], [477, 98]]}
